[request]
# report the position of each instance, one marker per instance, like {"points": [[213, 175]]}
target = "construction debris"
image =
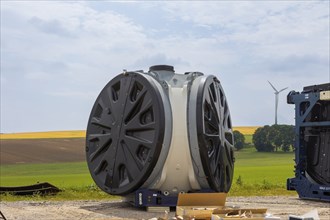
{"points": [[312, 215], [39, 189]]}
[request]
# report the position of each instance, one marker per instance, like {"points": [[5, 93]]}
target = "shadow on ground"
{"points": [[124, 210]]}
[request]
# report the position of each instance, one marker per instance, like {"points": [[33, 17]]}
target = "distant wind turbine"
{"points": [[276, 99]]}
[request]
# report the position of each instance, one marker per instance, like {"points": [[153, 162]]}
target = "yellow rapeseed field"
{"points": [[246, 129], [46, 134]]}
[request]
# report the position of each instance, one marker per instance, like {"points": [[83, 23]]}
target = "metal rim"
{"points": [[214, 134], [125, 133]]}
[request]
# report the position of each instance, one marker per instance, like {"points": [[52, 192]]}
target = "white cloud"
{"points": [[263, 28], [53, 51]]}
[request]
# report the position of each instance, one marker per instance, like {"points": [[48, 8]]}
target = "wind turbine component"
{"points": [[276, 99], [312, 142], [161, 131], [126, 131]]}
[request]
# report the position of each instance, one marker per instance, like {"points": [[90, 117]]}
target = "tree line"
{"points": [[269, 138]]}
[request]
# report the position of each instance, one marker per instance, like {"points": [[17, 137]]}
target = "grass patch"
{"points": [[72, 178], [248, 139], [91, 192], [62, 175], [259, 189], [258, 173]]}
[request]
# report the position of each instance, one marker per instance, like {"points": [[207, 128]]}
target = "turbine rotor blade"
{"points": [[282, 89], [272, 86]]}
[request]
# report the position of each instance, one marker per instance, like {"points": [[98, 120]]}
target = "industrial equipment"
{"points": [[152, 135], [312, 142]]}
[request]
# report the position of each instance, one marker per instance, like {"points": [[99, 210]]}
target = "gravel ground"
{"points": [[280, 206]]}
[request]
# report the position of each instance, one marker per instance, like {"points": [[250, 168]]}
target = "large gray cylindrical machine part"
{"points": [[162, 131]]}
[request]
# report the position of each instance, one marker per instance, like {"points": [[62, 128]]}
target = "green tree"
{"points": [[274, 138], [239, 140], [261, 139], [287, 135]]}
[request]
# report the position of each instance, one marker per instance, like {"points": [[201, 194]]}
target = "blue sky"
{"points": [[56, 56]]}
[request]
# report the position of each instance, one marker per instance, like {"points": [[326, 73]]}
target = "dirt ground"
{"points": [[42, 150], [281, 206]]}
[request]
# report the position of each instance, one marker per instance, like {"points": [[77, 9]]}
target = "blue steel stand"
{"points": [[147, 197], [154, 198], [304, 104]]}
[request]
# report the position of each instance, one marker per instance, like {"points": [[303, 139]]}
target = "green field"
{"points": [[248, 138], [63, 175], [255, 174], [262, 173], [72, 178]]}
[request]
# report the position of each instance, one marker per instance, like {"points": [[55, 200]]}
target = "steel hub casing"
{"points": [[162, 131]]}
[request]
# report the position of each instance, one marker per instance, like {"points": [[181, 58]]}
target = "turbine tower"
{"points": [[276, 99]]}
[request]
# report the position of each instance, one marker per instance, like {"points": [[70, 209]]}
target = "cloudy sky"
{"points": [[57, 56]]}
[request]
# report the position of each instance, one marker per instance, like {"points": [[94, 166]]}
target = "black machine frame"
{"points": [[312, 142]]}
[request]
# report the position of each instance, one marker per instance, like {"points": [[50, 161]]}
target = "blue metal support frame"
{"points": [[154, 198], [305, 188], [147, 197]]}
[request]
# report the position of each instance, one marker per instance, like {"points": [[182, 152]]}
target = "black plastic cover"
{"points": [[214, 133], [125, 133]]}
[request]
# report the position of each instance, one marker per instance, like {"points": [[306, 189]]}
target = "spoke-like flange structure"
{"points": [[125, 133], [215, 136]]}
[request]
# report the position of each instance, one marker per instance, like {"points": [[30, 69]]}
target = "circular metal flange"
{"points": [[214, 135], [125, 133]]}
